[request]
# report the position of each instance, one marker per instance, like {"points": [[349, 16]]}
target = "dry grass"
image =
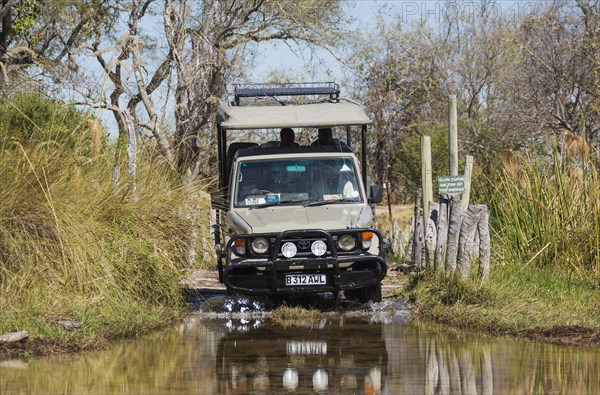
{"points": [[73, 246]]}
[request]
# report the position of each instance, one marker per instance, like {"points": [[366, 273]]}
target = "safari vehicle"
{"points": [[299, 218]]}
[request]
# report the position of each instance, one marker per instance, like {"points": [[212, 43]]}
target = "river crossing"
{"points": [[232, 346]]}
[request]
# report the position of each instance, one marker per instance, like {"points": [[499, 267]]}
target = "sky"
{"points": [[290, 59], [279, 56]]}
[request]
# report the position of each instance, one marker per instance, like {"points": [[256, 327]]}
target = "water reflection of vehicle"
{"points": [[340, 356]]}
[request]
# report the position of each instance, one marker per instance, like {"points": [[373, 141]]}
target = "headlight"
{"points": [[240, 246], [318, 248], [367, 237], [320, 380], [290, 379], [260, 245], [346, 242], [289, 250]]}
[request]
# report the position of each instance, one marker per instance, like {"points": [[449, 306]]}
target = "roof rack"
{"points": [[330, 89]]}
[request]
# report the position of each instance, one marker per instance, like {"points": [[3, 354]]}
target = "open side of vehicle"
{"points": [[296, 219]]}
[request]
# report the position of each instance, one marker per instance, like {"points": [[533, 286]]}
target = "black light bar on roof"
{"points": [[288, 89]]}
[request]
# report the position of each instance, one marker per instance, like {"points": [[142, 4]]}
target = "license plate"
{"points": [[305, 279], [306, 348]]}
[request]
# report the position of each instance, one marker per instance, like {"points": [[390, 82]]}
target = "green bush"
{"points": [[32, 118]]}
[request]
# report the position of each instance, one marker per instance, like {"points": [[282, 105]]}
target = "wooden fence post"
{"points": [[397, 242], [431, 234], [467, 193], [426, 177], [452, 135], [484, 243], [418, 233], [455, 222], [466, 245], [442, 235]]}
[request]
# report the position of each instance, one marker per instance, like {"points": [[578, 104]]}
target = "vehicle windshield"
{"points": [[306, 181]]}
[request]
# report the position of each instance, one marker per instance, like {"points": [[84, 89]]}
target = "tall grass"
{"points": [[73, 246], [546, 213]]}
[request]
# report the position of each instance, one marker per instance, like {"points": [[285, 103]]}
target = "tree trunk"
{"points": [[6, 34], [131, 153]]}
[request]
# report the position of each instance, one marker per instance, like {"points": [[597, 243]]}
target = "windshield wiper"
{"points": [[325, 202], [280, 203]]}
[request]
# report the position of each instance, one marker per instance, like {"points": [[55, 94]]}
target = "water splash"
{"points": [[385, 312]]}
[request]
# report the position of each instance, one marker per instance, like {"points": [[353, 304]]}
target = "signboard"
{"points": [[449, 185]]}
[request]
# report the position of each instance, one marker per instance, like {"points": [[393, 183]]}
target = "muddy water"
{"points": [[373, 350]]}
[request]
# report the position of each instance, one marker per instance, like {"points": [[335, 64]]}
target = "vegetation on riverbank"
{"points": [[75, 243], [295, 315], [517, 302], [546, 265]]}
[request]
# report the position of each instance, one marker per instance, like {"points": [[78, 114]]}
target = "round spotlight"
{"points": [[318, 248], [346, 242], [320, 380], [289, 250], [260, 245], [290, 379]]}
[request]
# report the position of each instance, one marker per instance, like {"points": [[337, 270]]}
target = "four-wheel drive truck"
{"points": [[296, 218]]}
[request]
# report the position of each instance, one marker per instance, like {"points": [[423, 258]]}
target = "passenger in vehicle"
{"points": [[287, 138], [325, 137]]}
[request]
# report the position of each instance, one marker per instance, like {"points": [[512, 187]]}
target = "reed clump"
{"points": [[74, 243], [545, 213]]}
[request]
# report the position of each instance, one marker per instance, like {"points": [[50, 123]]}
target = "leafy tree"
{"points": [[406, 168], [49, 33]]}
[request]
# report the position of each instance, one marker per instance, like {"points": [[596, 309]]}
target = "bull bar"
{"points": [[367, 269]]}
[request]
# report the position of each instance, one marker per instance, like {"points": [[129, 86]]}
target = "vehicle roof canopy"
{"points": [[323, 114]]}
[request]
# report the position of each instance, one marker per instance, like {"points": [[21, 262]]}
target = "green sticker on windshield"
{"points": [[296, 168]]}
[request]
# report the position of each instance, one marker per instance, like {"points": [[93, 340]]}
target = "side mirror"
{"points": [[218, 200], [376, 194]]}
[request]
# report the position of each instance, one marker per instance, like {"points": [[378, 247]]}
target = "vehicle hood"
{"points": [[281, 218]]}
